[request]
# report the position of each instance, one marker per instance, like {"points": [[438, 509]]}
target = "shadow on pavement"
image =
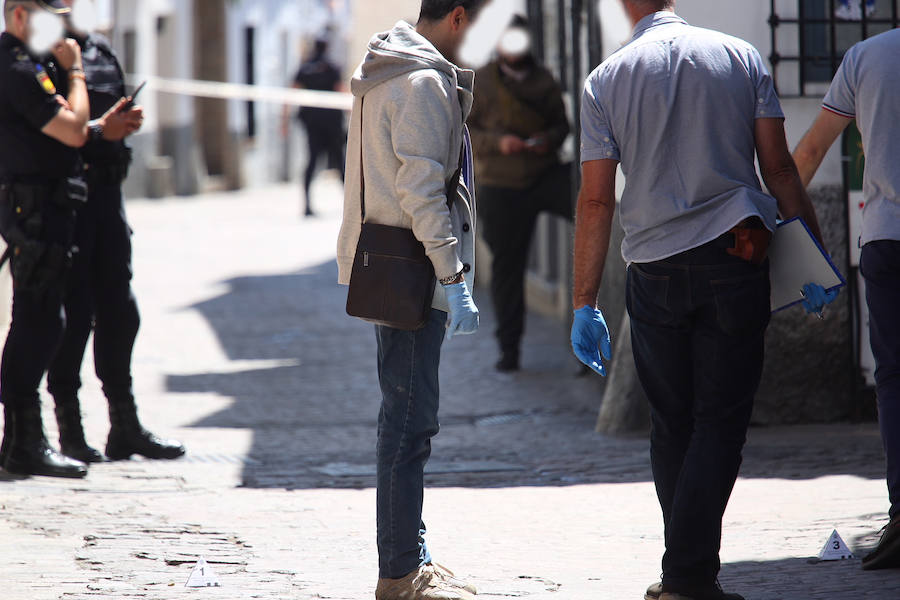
{"points": [[796, 578], [312, 402]]}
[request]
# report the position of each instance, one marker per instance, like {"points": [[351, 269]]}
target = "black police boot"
{"points": [[127, 436], [71, 431], [28, 453]]}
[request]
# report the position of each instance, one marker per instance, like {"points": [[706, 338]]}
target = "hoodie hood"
{"points": [[402, 50]]}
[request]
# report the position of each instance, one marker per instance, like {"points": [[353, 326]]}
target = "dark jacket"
{"points": [[527, 108]]}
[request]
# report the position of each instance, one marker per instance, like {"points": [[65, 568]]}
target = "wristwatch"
{"points": [[452, 278], [95, 131]]}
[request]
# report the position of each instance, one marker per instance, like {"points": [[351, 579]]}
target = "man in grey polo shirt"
{"points": [[867, 88], [683, 110]]}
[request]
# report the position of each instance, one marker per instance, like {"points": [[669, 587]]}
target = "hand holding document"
{"points": [[795, 260]]}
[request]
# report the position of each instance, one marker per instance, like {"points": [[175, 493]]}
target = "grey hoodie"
{"points": [[415, 104]]}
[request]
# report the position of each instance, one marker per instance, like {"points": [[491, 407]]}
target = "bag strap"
{"points": [[454, 179], [362, 165], [448, 187]]}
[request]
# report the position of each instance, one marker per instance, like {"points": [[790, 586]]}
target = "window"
{"points": [[129, 42], [810, 37], [250, 76]]}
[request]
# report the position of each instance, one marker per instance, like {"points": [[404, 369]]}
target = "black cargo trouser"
{"points": [[37, 317], [99, 295]]}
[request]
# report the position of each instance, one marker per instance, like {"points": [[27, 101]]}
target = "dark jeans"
{"points": [[507, 217], [408, 373], [698, 321], [323, 136], [880, 266], [99, 295]]}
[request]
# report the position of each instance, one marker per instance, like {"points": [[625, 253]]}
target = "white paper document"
{"points": [[795, 259]]}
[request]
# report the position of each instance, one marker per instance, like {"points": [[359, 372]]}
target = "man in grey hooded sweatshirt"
{"points": [[407, 129]]}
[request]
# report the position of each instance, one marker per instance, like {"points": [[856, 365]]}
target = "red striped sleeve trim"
{"points": [[838, 112]]}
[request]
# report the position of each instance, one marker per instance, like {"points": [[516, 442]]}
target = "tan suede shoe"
{"points": [[422, 584], [448, 576]]}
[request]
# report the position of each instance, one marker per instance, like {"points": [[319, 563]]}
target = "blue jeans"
{"points": [[408, 374], [698, 321], [880, 266]]}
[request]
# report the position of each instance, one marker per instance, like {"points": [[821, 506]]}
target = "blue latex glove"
{"points": [[590, 338], [463, 312], [815, 298]]}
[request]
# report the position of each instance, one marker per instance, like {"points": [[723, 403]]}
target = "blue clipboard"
{"points": [[795, 259]]}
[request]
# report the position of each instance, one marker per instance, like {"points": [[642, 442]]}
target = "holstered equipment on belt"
{"points": [[751, 241], [38, 262]]}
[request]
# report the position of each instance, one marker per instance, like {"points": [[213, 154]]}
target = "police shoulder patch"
{"points": [[45, 80]]}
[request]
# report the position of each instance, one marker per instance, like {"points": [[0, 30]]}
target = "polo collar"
{"points": [[663, 17]]}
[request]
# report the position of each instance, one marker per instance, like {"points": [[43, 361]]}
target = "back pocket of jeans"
{"points": [[647, 297], [742, 303]]}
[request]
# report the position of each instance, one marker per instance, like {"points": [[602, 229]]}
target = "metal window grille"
{"points": [[810, 37], [568, 41]]}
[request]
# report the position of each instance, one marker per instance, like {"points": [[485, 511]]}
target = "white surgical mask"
{"points": [[84, 16], [46, 31], [515, 42]]}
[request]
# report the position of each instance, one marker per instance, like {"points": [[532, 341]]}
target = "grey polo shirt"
{"points": [[676, 107], [867, 87]]}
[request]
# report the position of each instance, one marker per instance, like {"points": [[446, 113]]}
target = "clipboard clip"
{"points": [[819, 315]]}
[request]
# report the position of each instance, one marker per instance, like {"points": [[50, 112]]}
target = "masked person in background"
{"points": [[41, 186], [99, 291], [518, 124], [324, 126]]}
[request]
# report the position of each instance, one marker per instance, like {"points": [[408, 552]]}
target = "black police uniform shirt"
{"points": [[29, 99], [106, 85], [319, 74]]}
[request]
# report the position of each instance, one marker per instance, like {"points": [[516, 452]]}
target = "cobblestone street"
{"points": [[245, 354]]}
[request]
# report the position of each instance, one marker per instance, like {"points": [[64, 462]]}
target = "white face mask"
{"points": [[84, 16], [515, 42], [46, 30]]}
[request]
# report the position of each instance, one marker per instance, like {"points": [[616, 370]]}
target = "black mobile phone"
{"points": [[134, 94]]}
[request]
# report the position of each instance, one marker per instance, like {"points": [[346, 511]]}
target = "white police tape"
{"points": [[240, 91]]}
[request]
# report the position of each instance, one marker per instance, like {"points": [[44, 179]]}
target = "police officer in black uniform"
{"points": [[324, 126], [100, 284], [40, 189]]}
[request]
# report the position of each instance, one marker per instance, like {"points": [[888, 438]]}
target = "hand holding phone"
{"points": [[127, 106]]}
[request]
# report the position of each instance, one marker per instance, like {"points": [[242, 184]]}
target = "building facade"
{"points": [[192, 143]]}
